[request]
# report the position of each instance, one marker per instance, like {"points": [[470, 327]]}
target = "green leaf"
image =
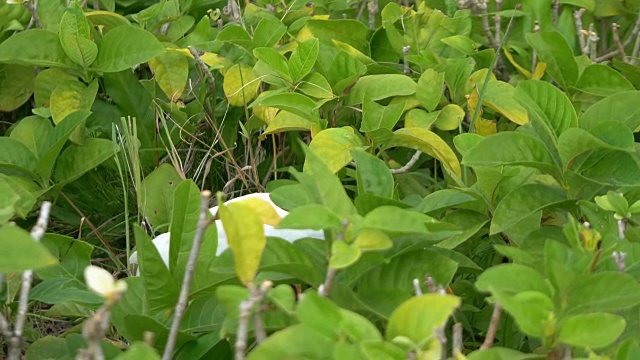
{"points": [[286, 121], [418, 317], [343, 255], [185, 214], [294, 342], [613, 201], [378, 87], [375, 116], [501, 97], [15, 199], [605, 291], [510, 279], [273, 59], [601, 80], [139, 350], [75, 37], [76, 160], [310, 216], [317, 86], [16, 86], [303, 59], [500, 353], [595, 330], [552, 48], [56, 140], [450, 117], [293, 102], [14, 155], [547, 104], [430, 143], [236, 35], [334, 145], [575, 142], [44, 50], [70, 97], [170, 70], [125, 47], [392, 219], [268, 31], [340, 69], [510, 148], [349, 31], [245, 234], [619, 107], [381, 350], [530, 309], [16, 243], [372, 174], [161, 291], [522, 202], [325, 187]]}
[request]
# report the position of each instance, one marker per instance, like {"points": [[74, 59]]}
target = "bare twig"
{"points": [[202, 66], [493, 327], [620, 259], [372, 6], [457, 340], [93, 330], [592, 43], [556, 10], [325, 288], [405, 62], [622, 228], [416, 287], [409, 165], [577, 19], [431, 284], [255, 297], [37, 232], [635, 32], [482, 6], [32, 6], [181, 306], [616, 39], [258, 326]]}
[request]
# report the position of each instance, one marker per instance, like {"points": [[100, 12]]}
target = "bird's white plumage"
{"points": [[161, 242]]}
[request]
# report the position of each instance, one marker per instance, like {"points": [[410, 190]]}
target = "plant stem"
{"points": [[255, 297], [493, 327], [409, 164], [37, 232], [181, 306], [620, 259], [616, 39], [32, 6], [577, 19]]}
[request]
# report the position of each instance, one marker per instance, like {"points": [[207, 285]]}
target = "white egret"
{"points": [[161, 242]]}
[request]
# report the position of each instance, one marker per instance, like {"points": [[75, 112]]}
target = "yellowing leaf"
{"points": [[334, 146], [373, 239], [430, 143], [240, 85], [485, 127], [265, 211], [449, 117], [343, 255], [170, 71], [418, 317], [538, 73], [245, 234], [69, 97], [287, 121], [420, 118], [499, 97], [513, 62]]}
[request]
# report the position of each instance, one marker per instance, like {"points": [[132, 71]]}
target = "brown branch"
{"points": [[255, 297], [493, 327], [37, 232], [181, 305], [616, 39]]}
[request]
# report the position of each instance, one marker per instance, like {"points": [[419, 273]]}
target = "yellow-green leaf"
{"points": [[240, 85], [430, 143], [418, 317], [265, 211], [334, 146], [287, 121], [373, 239], [499, 97], [170, 71], [70, 97], [449, 117], [343, 255], [245, 234]]}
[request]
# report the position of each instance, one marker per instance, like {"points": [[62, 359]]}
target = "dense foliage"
{"points": [[473, 165]]}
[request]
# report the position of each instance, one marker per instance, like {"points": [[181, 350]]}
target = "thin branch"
{"points": [[37, 232], [325, 288], [372, 6], [258, 326], [622, 228], [634, 33], [556, 11], [457, 340], [636, 49], [482, 6], [616, 39], [202, 66], [409, 165], [32, 6], [620, 259], [592, 43], [181, 306], [493, 327], [416, 287], [405, 62], [431, 284], [534, 56], [94, 329], [577, 19], [255, 297]]}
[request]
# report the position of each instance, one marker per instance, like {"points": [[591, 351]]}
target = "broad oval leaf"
{"points": [[620, 107], [125, 47], [16, 86], [16, 244], [547, 104], [602, 80], [553, 49], [430, 143], [429, 89], [418, 317], [76, 160], [376, 116], [303, 59], [240, 85], [382, 86], [500, 96], [170, 70], [334, 146], [44, 49], [595, 330]]}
